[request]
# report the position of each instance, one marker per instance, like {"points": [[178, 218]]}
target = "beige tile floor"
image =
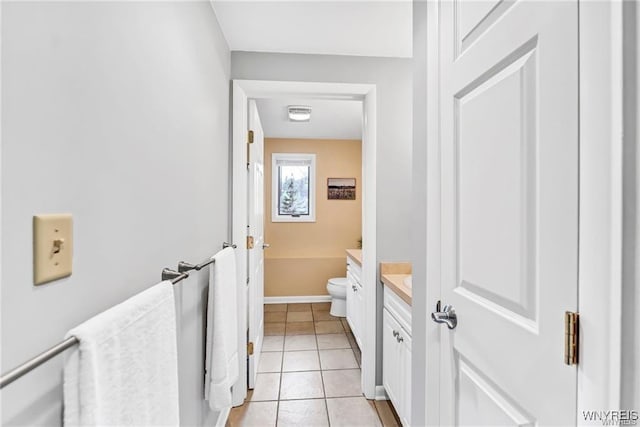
{"points": [[309, 374]]}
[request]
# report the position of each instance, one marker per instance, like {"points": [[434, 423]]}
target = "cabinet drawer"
{"points": [[352, 279], [354, 269], [398, 308]]}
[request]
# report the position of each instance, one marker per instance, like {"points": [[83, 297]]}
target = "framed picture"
{"points": [[341, 188]]}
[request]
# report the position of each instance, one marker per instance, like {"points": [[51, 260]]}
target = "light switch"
{"points": [[52, 247]]}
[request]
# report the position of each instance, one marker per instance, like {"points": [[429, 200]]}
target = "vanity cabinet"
{"points": [[355, 300], [396, 354]]}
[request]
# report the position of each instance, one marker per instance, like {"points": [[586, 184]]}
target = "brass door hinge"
{"points": [[250, 348], [571, 337], [249, 242], [249, 141]]}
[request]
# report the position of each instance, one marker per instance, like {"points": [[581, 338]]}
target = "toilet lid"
{"points": [[340, 281]]}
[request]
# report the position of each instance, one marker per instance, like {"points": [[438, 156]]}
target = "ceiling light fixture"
{"points": [[299, 113]]}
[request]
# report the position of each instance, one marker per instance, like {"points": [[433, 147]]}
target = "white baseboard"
{"points": [[222, 417], [381, 394], [299, 299]]}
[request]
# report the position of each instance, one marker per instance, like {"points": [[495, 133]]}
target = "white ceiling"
{"points": [[347, 27], [330, 119]]}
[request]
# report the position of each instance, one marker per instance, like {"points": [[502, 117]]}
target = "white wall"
{"points": [[117, 112], [630, 393], [393, 80]]}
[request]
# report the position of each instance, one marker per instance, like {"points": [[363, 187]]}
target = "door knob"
{"points": [[446, 316], [266, 246]]}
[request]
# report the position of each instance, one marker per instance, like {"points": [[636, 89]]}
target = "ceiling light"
{"points": [[299, 113]]}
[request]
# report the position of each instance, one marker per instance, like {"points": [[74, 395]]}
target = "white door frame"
{"points": [[600, 210], [244, 89], [600, 229]]}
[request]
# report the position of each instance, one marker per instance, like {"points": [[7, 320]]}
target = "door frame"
{"points": [[242, 90], [600, 224]]}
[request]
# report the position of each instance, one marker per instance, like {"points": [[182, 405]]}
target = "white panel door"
{"points": [[509, 153], [255, 228]]}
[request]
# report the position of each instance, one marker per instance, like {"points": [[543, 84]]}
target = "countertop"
{"points": [[393, 275], [356, 255]]}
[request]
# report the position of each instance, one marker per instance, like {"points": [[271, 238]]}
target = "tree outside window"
{"points": [[293, 176]]}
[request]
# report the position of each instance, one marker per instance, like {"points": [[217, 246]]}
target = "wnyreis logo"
{"points": [[612, 418]]}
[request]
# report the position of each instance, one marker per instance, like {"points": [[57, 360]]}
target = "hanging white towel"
{"points": [[125, 370], [221, 363]]}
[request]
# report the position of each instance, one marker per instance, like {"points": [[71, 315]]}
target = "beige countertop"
{"points": [[393, 275], [356, 255]]}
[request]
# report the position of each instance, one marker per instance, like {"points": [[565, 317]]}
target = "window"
{"points": [[294, 187]]}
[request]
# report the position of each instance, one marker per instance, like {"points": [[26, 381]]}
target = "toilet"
{"points": [[337, 288]]}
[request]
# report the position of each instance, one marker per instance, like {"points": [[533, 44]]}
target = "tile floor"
{"points": [[309, 374]]}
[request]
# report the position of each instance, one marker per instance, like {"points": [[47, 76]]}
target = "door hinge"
{"points": [[571, 337], [249, 141], [249, 242], [250, 348]]}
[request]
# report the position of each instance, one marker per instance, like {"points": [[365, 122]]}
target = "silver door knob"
{"points": [[266, 246], [446, 316]]}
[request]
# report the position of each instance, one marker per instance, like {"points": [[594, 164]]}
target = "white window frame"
{"points": [[275, 212]]}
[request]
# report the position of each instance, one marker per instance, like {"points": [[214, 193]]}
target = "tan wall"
{"points": [[304, 255]]}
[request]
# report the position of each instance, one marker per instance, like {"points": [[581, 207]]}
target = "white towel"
{"points": [[125, 370], [221, 363]]}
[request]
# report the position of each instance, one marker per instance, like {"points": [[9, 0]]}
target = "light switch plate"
{"points": [[52, 247]]}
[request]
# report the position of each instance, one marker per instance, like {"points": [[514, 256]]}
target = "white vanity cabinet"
{"points": [[396, 354], [355, 299]]}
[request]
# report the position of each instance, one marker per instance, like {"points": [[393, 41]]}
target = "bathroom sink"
{"points": [[407, 281]]}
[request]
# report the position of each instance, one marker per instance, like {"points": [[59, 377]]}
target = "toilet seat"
{"points": [[337, 286], [339, 281]]}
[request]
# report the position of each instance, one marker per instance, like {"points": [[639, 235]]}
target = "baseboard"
{"points": [[381, 394], [222, 417], [297, 299]]}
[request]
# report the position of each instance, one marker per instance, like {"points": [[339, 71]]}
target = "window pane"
{"points": [[293, 194]]}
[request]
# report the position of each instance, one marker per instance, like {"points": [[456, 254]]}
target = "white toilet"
{"points": [[337, 288]]}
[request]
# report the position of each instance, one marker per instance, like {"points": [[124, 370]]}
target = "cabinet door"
{"points": [[391, 374], [351, 302], [405, 350], [359, 313]]}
